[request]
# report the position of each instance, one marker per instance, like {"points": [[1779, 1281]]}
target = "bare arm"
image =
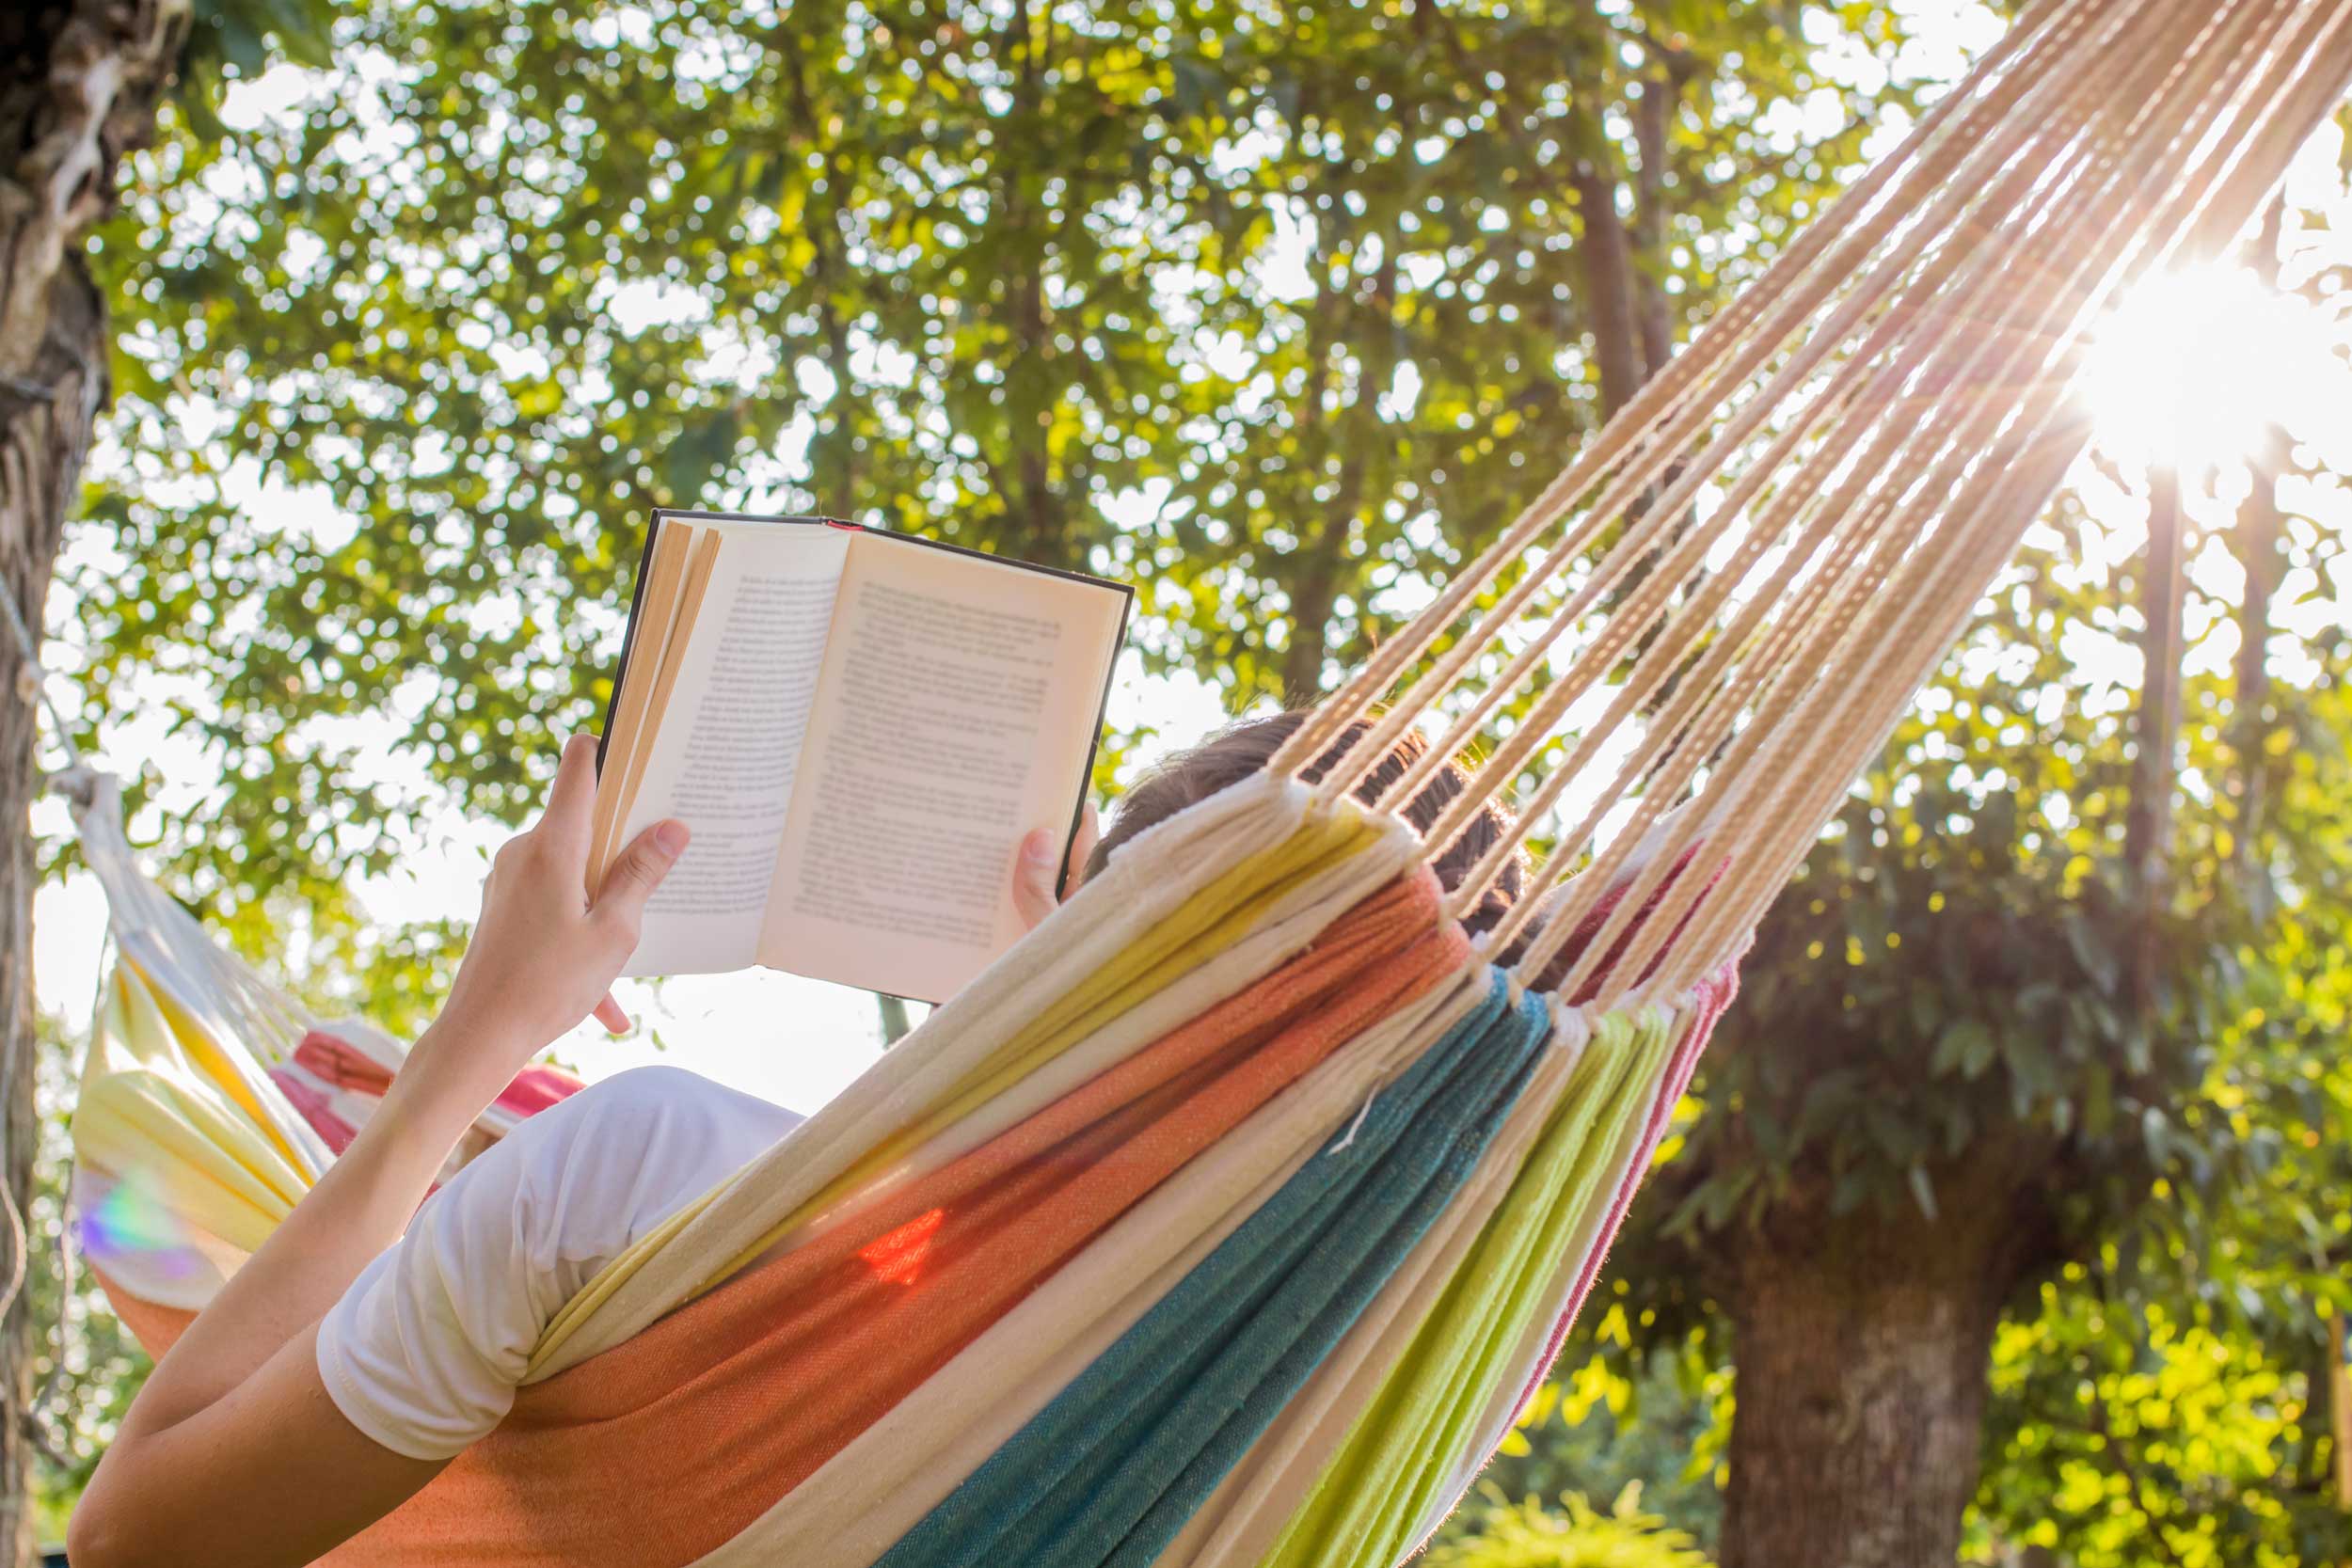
{"points": [[234, 1453]]}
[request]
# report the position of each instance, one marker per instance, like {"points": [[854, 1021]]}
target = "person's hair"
{"points": [[1243, 749]]}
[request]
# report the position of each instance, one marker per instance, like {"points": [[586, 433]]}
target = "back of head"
{"points": [[1244, 747]]}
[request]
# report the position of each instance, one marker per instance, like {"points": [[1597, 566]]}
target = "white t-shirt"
{"points": [[424, 1350]]}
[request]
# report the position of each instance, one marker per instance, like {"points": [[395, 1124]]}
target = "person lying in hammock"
{"points": [[371, 1340]]}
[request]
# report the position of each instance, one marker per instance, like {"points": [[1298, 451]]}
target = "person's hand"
{"points": [[545, 954], [1036, 872]]}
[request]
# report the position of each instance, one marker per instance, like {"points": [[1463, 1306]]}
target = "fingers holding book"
{"points": [[545, 952], [1038, 884]]}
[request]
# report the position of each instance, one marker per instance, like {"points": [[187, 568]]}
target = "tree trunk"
{"points": [[43, 438], [1315, 593], [1861, 1348], [2260, 530], [836, 471], [2261, 526], [2148, 817], [78, 87], [1039, 517], [1312, 597], [1607, 255], [2340, 1406], [1310, 574], [1650, 124]]}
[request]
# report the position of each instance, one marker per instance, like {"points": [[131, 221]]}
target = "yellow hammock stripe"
{"points": [[225, 1062], [1366, 1506], [1207, 924], [144, 1106], [138, 1026], [142, 1122]]}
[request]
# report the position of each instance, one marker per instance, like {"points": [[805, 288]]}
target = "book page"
{"points": [[728, 741], [698, 549], [956, 714], [649, 638]]}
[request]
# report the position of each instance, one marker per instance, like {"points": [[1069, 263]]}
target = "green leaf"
{"points": [[1966, 1046], [1923, 1192]]}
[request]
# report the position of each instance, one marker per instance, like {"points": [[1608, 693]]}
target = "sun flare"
{"points": [[2191, 367]]}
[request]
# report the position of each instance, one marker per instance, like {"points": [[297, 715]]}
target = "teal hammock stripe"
{"points": [[1402, 1451], [1107, 1475]]}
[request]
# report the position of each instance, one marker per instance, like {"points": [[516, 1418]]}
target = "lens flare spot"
{"points": [[130, 1221], [896, 1256]]}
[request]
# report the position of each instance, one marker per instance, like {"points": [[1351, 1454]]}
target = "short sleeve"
{"points": [[424, 1352]]}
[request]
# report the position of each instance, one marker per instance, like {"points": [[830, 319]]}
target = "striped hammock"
{"points": [[1230, 1218]]}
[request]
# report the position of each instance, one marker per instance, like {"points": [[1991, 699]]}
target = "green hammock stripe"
{"points": [[1367, 1506]]}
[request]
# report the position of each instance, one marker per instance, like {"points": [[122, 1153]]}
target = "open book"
{"points": [[860, 727]]}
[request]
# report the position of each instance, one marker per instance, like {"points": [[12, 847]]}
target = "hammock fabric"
{"points": [[188, 1150], [1230, 1219]]}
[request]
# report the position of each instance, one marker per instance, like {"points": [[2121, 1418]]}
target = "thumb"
{"points": [[639, 870], [1033, 879]]}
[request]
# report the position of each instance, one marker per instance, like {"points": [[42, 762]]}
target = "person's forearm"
{"points": [[236, 1453], [359, 1206]]}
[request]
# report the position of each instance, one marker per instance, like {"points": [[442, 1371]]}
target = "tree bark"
{"points": [[79, 83], [43, 438], [1861, 1347], [1607, 255]]}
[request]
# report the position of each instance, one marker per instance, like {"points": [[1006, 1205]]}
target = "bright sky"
{"points": [[798, 1041]]}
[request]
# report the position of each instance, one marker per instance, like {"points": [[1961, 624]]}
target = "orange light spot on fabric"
{"points": [[896, 1256]]}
